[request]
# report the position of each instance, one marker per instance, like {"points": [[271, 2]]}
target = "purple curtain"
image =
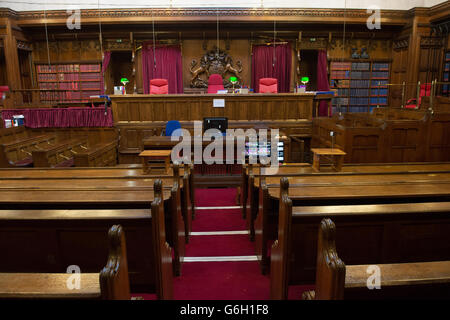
{"points": [[62, 117], [322, 81], [265, 66], [165, 64], [105, 64]]}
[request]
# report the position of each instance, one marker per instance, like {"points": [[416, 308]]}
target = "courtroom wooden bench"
{"points": [[122, 173], [336, 281], [59, 155], [8, 135], [99, 155], [252, 173], [111, 283], [362, 138], [51, 240], [19, 153], [126, 193], [383, 233]]}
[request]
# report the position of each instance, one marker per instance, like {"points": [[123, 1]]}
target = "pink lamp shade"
{"points": [[3, 89], [159, 86], [215, 83], [268, 85]]}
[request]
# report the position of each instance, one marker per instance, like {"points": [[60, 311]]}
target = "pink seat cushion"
{"points": [[215, 83], [268, 85], [159, 86]]}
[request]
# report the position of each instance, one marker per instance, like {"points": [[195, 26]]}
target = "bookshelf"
{"points": [[68, 82], [361, 84], [446, 74]]}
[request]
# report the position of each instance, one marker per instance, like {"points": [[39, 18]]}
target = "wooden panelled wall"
{"points": [[414, 52]]}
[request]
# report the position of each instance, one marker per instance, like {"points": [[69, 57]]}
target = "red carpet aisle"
{"points": [[220, 261]]}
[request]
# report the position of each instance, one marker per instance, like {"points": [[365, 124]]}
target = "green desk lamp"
{"points": [[305, 81], [233, 80], [124, 82]]}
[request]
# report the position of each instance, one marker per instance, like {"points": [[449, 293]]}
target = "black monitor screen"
{"points": [[215, 123]]}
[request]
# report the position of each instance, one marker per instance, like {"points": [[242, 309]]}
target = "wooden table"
{"points": [[336, 154], [155, 156]]}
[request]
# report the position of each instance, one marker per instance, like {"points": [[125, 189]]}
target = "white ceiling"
{"points": [[29, 5]]}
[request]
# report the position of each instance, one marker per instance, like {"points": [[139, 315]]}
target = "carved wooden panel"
{"points": [[197, 107]]}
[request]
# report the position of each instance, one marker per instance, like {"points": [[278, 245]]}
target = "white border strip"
{"points": [[222, 258], [217, 208], [218, 233]]}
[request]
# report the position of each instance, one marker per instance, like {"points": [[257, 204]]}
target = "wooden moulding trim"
{"points": [[59, 16]]}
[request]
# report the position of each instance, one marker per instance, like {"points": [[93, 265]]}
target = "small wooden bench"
{"points": [[336, 281], [155, 160], [111, 283], [335, 155]]}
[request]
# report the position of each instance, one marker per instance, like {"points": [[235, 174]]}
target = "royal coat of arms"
{"points": [[215, 61]]}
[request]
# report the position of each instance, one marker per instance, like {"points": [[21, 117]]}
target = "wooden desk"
{"points": [[188, 107], [336, 154], [155, 155]]}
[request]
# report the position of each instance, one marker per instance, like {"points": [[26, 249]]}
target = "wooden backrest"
{"points": [[330, 272], [163, 252], [114, 281], [281, 248]]}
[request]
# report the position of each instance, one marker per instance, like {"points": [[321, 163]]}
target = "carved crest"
{"points": [[214, 61]]}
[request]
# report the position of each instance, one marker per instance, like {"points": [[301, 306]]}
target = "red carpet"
{"points": [[218, 220], [220, 245], [221, 281], [215, 197], [224, 280]]}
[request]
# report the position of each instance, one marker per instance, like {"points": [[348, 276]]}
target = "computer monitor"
{"points": [[264, 149], [215, 123]]}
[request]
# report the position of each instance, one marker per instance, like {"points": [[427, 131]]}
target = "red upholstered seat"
{"points": [[159, 86], [425, 91], [268, 85], [215, 83]]}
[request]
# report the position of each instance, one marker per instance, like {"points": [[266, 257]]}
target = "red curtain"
{"points": [[265, 66], [105, 64], [322, 81], [164, 64], [62, 117]]}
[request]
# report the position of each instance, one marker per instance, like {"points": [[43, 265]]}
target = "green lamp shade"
{"points": [[233, 79], [305, 79], [124, 80]]}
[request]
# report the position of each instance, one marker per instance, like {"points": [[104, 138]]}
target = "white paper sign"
{"points": [[219, 103]]}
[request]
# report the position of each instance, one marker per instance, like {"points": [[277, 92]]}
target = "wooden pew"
{"points": [[100, 155], [397, 232], [19, 153], [54, 239], [111, 283], [90, 192], [59, 155], [337, 281], [252, 173], [122, 173], [13, 134]]}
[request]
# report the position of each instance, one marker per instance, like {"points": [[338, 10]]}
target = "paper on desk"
{"points": [[219, 103]]}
